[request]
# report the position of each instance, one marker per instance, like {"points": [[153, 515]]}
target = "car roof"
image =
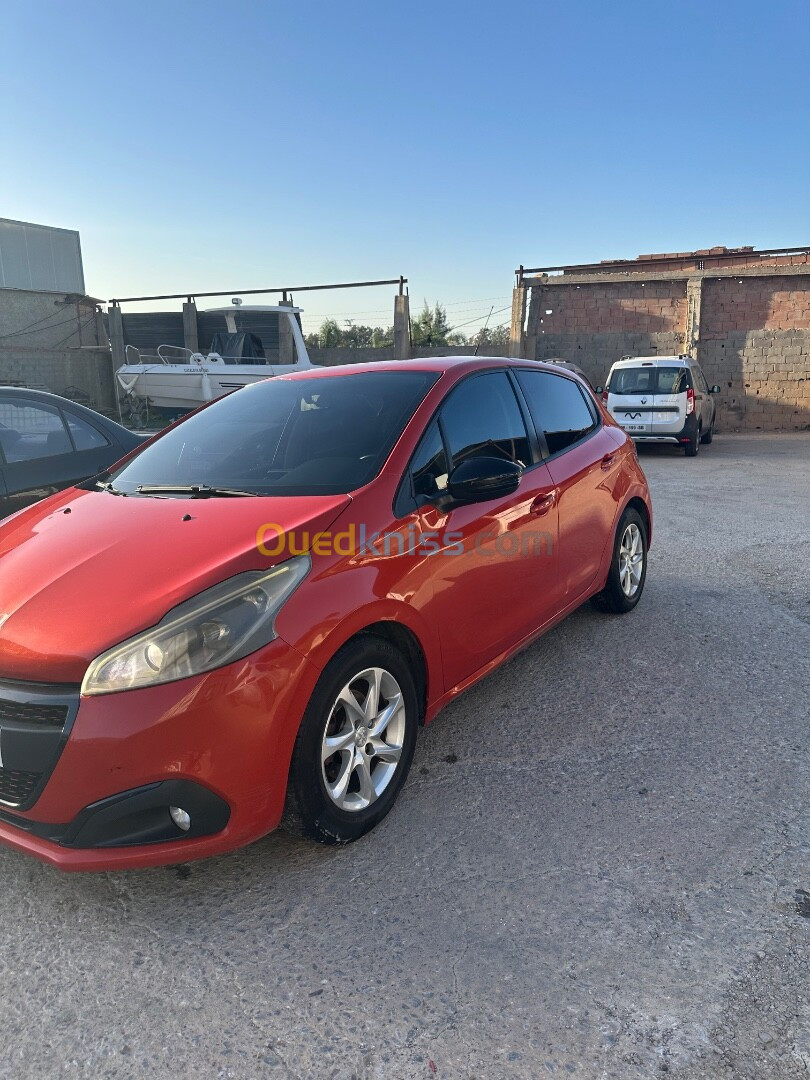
{"points": [[460, 365], [653, 361], [46, 397]]}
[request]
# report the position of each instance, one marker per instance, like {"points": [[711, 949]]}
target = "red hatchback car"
{"points": [[248, 618]]}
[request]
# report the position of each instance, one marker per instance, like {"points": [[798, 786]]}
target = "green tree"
{"points": [[491, 338], [329, 334], [430, 326]]}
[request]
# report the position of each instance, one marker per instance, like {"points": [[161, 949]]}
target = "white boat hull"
{"points": [[187, 386]]}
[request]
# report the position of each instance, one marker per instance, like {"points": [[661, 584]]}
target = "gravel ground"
{"points": [[600, 866]]}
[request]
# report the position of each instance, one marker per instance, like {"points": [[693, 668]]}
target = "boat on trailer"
{"points": [[177, 380]]}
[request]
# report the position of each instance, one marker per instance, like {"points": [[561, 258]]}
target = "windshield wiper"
{"points": [[194, 491], [108, 486]]}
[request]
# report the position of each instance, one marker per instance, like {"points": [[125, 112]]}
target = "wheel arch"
{"points": [[639, 505], [404, 639]]}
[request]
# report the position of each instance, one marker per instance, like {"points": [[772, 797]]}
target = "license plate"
{"points": [[633, 427]]}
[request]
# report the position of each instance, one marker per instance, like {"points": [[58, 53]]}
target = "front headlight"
{"points": [[220, 625]]}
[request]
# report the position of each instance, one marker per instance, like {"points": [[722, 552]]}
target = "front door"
{"points": [[494, 577]]}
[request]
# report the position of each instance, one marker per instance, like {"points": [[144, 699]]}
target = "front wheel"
{"points": [[355, 744], [709, 435], [628, 568]]}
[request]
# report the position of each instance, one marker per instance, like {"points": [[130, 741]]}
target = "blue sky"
{"points": [[200, 145]]}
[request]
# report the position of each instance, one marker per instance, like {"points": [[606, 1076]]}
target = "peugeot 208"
{"points": [[249, 617]]}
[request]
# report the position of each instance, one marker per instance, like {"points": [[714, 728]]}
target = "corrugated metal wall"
{"points": [[148, 329]]}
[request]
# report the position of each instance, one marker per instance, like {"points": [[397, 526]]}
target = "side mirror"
{"points": [[715, 389], [600, 390], [482, 478]]}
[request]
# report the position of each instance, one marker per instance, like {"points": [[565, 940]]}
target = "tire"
{"points": [[339, 798], [616, 598], [707, 438], [692, 447]]}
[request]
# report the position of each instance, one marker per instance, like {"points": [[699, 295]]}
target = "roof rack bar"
{"points": [[400, 281]]}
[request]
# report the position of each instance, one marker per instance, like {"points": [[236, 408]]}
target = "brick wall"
{"points": [[754, 335]]}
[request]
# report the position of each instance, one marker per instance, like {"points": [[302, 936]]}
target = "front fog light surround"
{"points": [[222, 624]]}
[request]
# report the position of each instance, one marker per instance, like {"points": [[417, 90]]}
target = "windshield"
{"points": [[321, 436], [649, 380]]}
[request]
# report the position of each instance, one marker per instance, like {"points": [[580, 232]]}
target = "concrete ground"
{"points": [[600, 866]]}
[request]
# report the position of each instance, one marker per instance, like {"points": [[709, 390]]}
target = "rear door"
{"points": [[585, 465], [45, 450], [630, 397], [669, 415]]}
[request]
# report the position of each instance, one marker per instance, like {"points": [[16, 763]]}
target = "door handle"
{"points": [[543, 503], [608, 460]]}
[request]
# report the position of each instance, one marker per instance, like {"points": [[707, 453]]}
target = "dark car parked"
{"points": [[48, 443]]}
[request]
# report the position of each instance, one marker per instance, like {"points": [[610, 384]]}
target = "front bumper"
{"points": [[220, 743]]}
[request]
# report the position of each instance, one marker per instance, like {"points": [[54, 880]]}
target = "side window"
{"points": [[429, 467], [481, 418], [558, 408], [701, 380], [85, 436], [31, 431]]}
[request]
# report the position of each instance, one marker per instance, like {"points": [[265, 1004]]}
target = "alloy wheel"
{"points": [[631, 559], [363, 739]]}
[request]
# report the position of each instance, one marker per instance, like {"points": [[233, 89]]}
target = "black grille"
{"points": [[34, 722], [52, 716], [17, 787]]}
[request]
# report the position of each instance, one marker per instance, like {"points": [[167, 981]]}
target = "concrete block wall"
{"points": [[753, 337], [88, 368], [55, 341], [755, 342], [346, 355]]}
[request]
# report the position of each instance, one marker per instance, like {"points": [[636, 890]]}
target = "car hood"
{"points": [[85, 570]]}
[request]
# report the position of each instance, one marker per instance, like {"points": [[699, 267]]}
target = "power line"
{"points": [[35, 328], [480, 317]]}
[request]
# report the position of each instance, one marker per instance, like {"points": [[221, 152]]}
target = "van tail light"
{"points": [[690, 401], [604, 398]]}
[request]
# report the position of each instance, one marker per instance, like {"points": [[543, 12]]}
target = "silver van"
{"points": [[662, 399]]}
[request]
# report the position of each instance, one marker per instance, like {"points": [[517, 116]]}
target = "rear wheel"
{"points": [[692, 447], [355, 744], [628, 568]]}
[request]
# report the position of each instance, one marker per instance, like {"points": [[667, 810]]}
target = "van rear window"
{"points": [[650, 380]]}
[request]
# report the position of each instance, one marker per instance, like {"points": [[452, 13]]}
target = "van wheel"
{"points": [[628, 568], [692, 447], [355, 744], [707, 438]]}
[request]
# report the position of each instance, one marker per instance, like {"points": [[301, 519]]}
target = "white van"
{"points": [[662, 399]]}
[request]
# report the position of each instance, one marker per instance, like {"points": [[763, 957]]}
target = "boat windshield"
{"points": [[282, 436]]}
